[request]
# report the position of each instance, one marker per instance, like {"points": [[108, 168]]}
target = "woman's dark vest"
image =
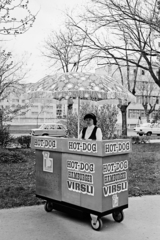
{"points": [[93, 134]]}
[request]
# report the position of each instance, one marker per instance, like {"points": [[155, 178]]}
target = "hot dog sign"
{"points": [[80, 177], [117, 147], [92, 147], [115, 177]]}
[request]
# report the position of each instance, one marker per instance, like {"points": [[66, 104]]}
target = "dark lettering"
{"points": [[78, 146], [107, 148], [70, 145], [94, 147], [84, 147], [70, 184], [83, 188], [127, 146]]}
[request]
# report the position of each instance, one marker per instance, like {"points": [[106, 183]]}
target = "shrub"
{"points": [[5, 136], [24, 141], [11, 156], [136, 139], [156, 116], [117, 136]]}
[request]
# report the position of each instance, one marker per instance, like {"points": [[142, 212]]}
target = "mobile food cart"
{"points": [[83, 175]]}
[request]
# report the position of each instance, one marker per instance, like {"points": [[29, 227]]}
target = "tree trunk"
{"points": [[1, 124], [147, 117], [147, 112], [123, 109]]}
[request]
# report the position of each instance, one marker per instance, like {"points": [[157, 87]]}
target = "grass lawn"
{"points": [[17, 180]]}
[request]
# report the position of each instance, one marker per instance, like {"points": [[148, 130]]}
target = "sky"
{"points": [[50, 17]]}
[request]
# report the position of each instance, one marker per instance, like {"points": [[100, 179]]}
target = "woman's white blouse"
{"points": [[89, 131]]}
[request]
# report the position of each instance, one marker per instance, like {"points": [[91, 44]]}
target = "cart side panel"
{"points": [[115, 181], [93, 200], [82, 181], [48, 174], [70, 187]]}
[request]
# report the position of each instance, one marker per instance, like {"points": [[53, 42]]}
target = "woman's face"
{"points": [[89, 121]]}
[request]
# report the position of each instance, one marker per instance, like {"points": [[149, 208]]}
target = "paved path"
{"points": [[141, 222]]}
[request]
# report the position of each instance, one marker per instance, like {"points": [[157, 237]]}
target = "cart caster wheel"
{"points": [[96, 225], [48, 206], [118, 216]]}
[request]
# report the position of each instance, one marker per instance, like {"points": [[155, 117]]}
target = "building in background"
{"points": [[49, 110], [40, 110], [146, 91]]}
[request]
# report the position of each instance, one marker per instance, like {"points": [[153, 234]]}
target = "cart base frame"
{"points": [[69, 208]]}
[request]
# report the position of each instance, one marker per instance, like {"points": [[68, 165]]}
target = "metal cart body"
{"points": [[91, 176]]}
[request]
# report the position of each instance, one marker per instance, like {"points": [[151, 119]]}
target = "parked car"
{"points": [[148, 129], [13, 145], [50, 129]]}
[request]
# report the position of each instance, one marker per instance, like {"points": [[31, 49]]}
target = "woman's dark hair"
{"points": [[92, 116]]}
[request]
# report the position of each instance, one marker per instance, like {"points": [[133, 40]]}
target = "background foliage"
{"points": [[106, 119], [5, 136], [157, 116], [12, 156], [24, 141]]}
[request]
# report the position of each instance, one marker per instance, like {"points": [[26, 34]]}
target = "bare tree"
{"points": [[15, 18], [11, 73], [149, 96], [122, 33], [44, 104], [132, 25], [62, 52], [10, 23]]}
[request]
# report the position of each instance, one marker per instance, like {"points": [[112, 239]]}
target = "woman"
{"points": [[91, 131]]}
